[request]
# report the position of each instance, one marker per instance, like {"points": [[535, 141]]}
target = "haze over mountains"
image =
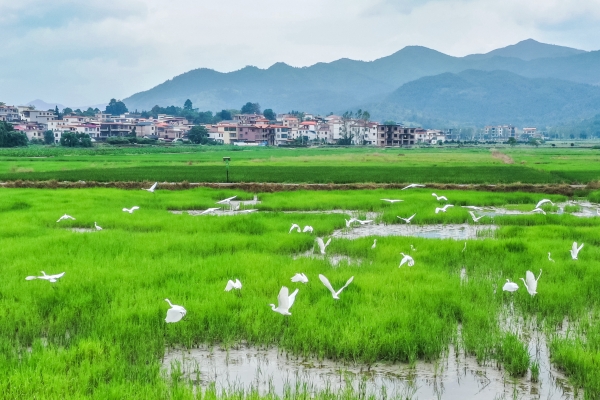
{"points": [[541, 84]]}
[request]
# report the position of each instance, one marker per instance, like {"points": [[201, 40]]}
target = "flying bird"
{"points": [[510, 286], [294, 226], [98, 228], [443, 209], [407, 220], [406, 259], [285, 301], [300, 278], [530, 282], [575, 250], [323, 246], [475, 219], [49, 278], [209, 210], [539, 210], [307, 228], [544, 201], [226, 201], [152, 188], [550, 258], [233, 285], [66, 216], [374, 244], [336, 295], [366, 221], [175, 313], [349, 222], [391, 200], [412, 185], [131, 210], [439, 198]]}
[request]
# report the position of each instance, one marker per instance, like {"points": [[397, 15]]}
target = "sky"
{"points": [[81, 53]]}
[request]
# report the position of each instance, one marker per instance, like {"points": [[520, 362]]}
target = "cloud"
{"points": [[76, 52]]}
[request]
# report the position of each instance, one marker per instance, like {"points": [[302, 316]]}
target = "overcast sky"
{"points": [[79, 53]]}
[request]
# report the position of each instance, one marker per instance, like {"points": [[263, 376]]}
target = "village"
{"points": [[246, 129]]}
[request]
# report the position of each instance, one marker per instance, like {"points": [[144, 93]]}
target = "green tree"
{"points": [[69, 139], [11, 138], [58, 116], [67, 111], [198, 134], [250, 108], [512, 141], [116, 107], [269, 114], [225, 115], [48, 137], [188, 105]]}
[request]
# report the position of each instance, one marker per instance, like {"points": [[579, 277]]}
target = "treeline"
{"points": [[196, 116]]}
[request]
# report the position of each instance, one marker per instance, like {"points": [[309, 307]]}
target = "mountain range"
{"points": [[529, 82]]}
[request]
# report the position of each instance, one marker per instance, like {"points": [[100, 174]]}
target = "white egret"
{"points": [[366, 221], [300, 277], [233, 285], [443, 209], [406, 259], [284, 301], [295, 226], [152, 188], [391, 200], [175, 313], [98, 228], [475, 219], [209, 210], [349, 222], [510, 286], [131, 210], [323, 246], [531, 283], [575, 250], [550, 258], [412, 185], [226, 201], [308, 228], [544, 201], [49, 278], [407, 220], [66, 216], [539, 210], [439, 198], [336, 295], [374, 244]]}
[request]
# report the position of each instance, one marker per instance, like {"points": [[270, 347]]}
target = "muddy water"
{"points": [[437, 231], [456, 378]]}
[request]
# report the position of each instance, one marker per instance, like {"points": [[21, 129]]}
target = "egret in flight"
{"points": [[152, 188], [295, 226], [575, 250], [539, 210], [531, 283], [412, 185], [510, 286], [336, 295], [323, 246], [175, 313], [226, 201], [406, 259], [550, 258], [49, 278], [544, 201], [349, 222], [475, 219], [308, 228], [209, 210], [366, 221], [131, 210], [285, 301], [391, 200], [300, 278], [233, 285], [66, 216], [439, 198], [374, 244], [407, 220], [98, 228], [443, 209]]}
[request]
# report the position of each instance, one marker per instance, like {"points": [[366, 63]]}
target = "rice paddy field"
{"points": [[100, 332], [468, 165]]}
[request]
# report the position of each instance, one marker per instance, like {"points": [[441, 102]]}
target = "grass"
{"points": [[321, 165], [100, 332]]}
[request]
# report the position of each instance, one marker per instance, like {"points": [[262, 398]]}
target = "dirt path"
{"points": [[501, 156]]}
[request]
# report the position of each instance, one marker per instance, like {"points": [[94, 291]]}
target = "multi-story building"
{"points": [[395, 136], [9, 114], [500, 132], [38, 116]]}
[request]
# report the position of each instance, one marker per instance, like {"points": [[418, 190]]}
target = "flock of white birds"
{"points": [[285, 300]]}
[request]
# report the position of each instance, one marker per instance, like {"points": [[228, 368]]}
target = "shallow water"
{"points": [[456, 377], [437, 231]]}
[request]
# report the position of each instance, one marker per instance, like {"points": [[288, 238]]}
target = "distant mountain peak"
{"points": [[530, 49]]}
